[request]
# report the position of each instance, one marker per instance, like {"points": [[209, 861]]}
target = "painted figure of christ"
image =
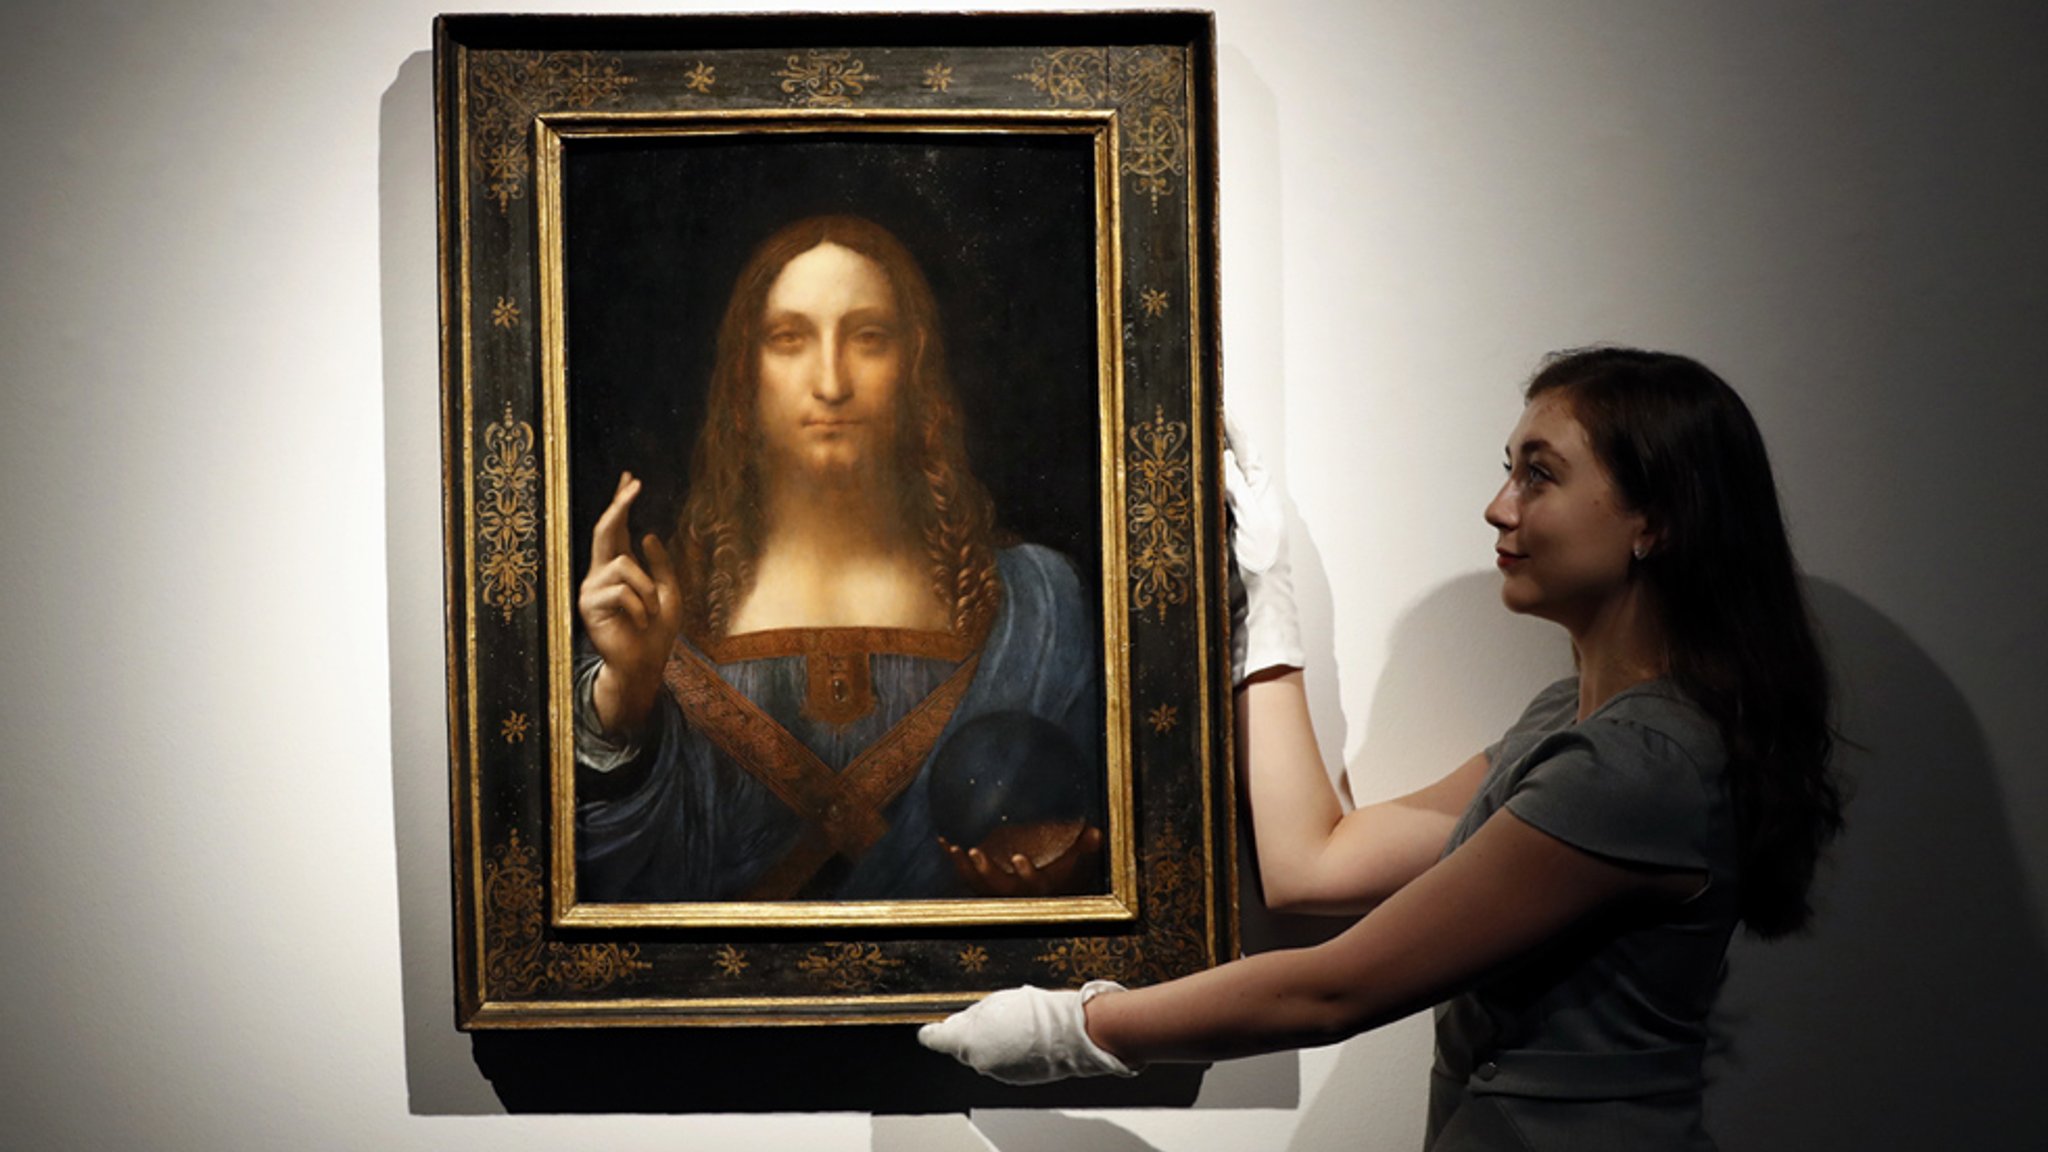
{"points": [[837, 678]]}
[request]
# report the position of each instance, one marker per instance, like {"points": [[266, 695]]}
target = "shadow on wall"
{"points": [[1042, 1132], [1460, 669], [439, 1077], [1916, 1014], [1002, 1131]]}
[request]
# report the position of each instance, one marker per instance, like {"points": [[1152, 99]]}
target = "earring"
{"points": [[1641, 552]]}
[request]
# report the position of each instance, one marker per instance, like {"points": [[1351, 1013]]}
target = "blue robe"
{"points": [[684, 821]]}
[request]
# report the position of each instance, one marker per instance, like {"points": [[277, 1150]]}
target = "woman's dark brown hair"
{"points": [[719, 530], [1686, 454]]}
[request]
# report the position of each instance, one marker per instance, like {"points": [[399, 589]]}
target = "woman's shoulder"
{"points": [[1659, 718], [1651, 728], [1640, 779], [1554, 708]]}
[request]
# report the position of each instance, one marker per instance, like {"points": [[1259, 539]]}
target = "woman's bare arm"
{"points": [[1313, 856], [1502, 894]]}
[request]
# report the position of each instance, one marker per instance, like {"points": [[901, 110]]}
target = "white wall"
{"points": [[223, 810]]}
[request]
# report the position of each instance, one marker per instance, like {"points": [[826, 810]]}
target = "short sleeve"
{"points": [[1620, 790], [1546, 713]]}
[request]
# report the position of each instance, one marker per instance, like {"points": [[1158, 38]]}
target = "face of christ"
{"points": [[831, 362]]}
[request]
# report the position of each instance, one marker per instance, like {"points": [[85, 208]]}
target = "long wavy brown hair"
{"points": [[718, 533], [1685, 452]]}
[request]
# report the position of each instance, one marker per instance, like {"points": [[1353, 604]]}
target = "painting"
{"points": [[860, 629], [830, 424]]}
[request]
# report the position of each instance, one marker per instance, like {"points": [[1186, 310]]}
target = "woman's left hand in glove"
{"points": [[1027, 1035]]}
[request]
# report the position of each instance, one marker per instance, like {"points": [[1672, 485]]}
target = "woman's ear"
{"points": [[1648, 539]]}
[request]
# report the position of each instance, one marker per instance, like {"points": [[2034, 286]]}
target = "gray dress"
{"points": [[1595, 1041]]}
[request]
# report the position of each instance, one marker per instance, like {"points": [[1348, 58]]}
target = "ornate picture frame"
{"points": [[1035, 194]]}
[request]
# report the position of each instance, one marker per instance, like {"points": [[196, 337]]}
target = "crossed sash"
{"points": [[842, 811]]}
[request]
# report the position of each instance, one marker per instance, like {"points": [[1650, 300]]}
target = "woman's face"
{"points": [[831, 361], [1566, 535]]}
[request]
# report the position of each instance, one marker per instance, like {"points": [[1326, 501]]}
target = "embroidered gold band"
{"points": [[843, 809]]}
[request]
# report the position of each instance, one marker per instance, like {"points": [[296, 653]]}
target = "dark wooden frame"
{"points": [[513, 94]]}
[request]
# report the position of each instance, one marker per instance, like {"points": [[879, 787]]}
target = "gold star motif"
{"points": [[939, 78], [973, 958], [506, 313], [700, 77], [730, 960], [1163, 718], [1153, 301], [505, 162], [514, 728]]}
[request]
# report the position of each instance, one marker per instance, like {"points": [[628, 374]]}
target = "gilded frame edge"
{"points": [[1119, 904]]}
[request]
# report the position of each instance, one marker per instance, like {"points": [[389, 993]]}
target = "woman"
{"points": [[1565, 897]]}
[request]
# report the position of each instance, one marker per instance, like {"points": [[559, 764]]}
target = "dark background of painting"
{"points": [[1003, 226]]}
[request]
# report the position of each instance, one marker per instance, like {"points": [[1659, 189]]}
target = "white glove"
{"points": [[1264, 632], [1026, 1035]]}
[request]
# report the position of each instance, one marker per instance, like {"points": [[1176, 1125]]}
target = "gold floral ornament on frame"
{"points": [[509, 89], [1161, 511], [1173, 949], [1085, 958], [848, 967], [1179, 886], [518, 959], [825, 79], [1155, 148], [1145, 85], [507, 516]]}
